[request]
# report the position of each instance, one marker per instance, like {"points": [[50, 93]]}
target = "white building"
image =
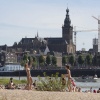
{"points": [[12, 67]]}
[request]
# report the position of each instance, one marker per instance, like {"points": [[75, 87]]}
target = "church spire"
{"points": [[67, 21], [67, 10]]}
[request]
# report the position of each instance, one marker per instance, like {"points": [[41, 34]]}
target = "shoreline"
{"points": [[83, 85], [49, 72], [46, 95]]}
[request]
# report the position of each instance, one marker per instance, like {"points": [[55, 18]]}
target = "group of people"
{"points": [[93, 91], [30, 83], [71, 86], [70, 83]]}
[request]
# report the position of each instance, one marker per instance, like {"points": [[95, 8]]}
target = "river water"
{"points": [[83, 85]]}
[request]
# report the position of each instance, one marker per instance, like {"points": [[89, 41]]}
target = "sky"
{"points": [[24, 18]]}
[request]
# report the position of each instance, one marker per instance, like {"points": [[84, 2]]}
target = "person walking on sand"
{"points": [[68, 75]]}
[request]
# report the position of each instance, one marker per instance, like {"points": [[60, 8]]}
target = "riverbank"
{"points": [[45, 95], [49, 72]]}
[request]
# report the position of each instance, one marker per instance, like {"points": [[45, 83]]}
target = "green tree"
{"points": [[41, 60], [94, 60], [30, 60], [71, 60], [48, 59], [54, 60], [80, 59], [64, 60], [88, 59], [34, 62], [25, 59]]}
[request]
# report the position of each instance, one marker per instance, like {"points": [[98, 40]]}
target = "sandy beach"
{"points": [[45, 95]]}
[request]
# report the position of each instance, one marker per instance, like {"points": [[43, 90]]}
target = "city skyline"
{"points": [[24, 18]]}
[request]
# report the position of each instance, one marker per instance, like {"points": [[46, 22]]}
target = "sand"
{"points": [[45, 95]]}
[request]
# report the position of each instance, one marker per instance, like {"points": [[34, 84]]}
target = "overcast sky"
{"points": [[23, 18]]}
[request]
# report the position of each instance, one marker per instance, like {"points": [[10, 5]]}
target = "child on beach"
{"points": [[10, 84], [73, 85], [68, 75], [63, 81]]}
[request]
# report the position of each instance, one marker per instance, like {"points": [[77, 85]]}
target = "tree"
{"points": [[80, 59], [30, 60], [24, 60], [94, 60], [64, 60], [71, 60], [34, 64], [88, 59], [41, 60], [25, 57], [54, 60], [98, 60], [48, 59]]}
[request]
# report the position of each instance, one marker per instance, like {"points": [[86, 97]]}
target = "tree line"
{"points": [[41, 60], [79, 60]]}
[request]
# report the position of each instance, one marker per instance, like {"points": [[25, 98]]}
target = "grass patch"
{"points": [[4, 81]]}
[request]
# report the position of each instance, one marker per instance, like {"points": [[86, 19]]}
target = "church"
{"points": [[64, 44]]}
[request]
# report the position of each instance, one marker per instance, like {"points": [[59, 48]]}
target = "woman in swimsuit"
{"points": [[29, 78], [69, 78]]}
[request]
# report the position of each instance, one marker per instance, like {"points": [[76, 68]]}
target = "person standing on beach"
{"points": [[68, 75], [29, 78]]}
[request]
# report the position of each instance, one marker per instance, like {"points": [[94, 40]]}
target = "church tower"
{"points": [[67, 34], [67, 29]]}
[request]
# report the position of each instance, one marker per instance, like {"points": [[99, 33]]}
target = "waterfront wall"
{"points": [[74, 72]]}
